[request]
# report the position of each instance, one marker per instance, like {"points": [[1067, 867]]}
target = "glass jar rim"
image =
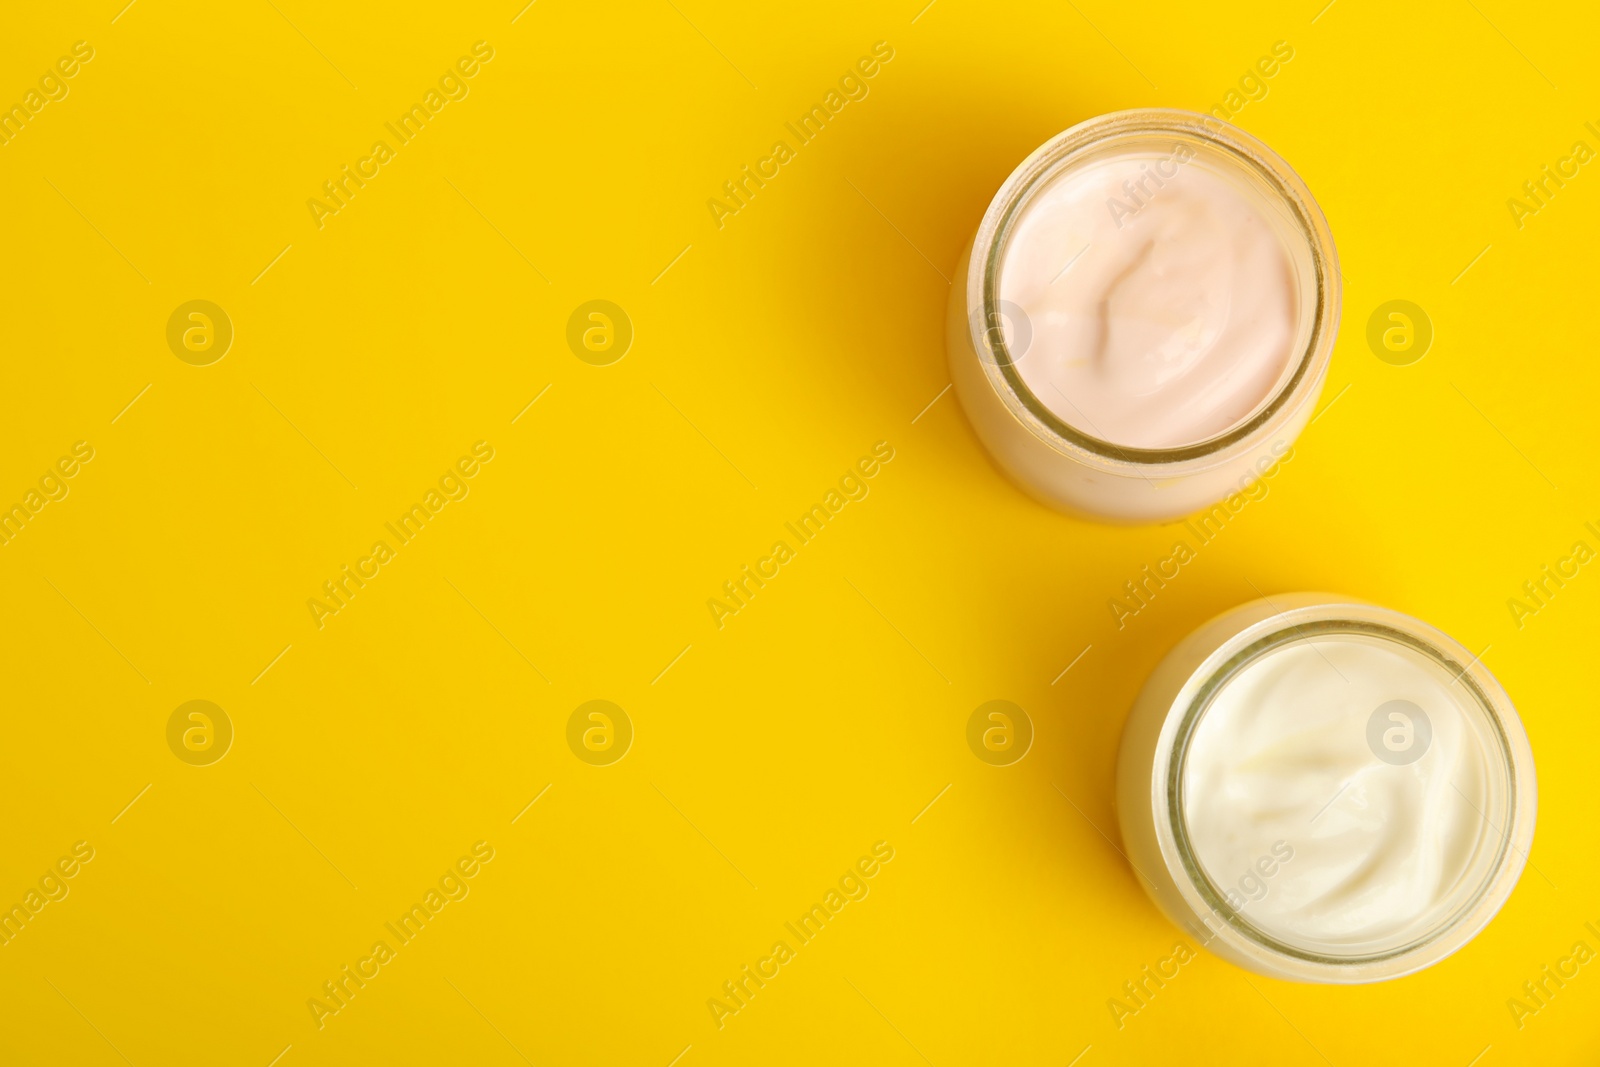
{"points": [[1048, 162], [1295, 625]]}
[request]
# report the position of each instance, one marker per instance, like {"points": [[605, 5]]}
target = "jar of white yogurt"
{"points": [[1143, 322], [1323, 790]]}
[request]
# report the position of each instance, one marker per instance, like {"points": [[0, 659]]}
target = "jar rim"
{"points": [[1047, 163], [1510, 746]]}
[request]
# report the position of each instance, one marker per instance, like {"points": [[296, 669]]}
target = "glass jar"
{"points": [[1076, 471], [1461, 826]]}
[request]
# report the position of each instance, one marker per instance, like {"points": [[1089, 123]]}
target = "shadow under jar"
{"points": [[1143, 322]]}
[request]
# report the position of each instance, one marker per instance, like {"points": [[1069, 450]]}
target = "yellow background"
{"points": [[827, 714]]}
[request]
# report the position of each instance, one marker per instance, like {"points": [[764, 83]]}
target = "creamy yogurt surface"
{"points": [[1159, 296], [1332, 815]]}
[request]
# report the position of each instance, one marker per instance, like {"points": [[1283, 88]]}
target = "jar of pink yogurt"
{"points": [[1143, 322]]}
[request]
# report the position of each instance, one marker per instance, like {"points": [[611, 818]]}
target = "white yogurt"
{"points": [[1160, 297], [1368, 831], [1324, 790]]}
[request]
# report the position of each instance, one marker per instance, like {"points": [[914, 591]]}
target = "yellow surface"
{"points": [[769, 355]]}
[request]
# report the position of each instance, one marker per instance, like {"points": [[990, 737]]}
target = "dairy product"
{"points": [[1144, 319], [1324, 790], [1159, 294], [1360, 772]]}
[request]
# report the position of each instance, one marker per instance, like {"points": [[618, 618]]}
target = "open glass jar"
{"points": [[1051, 446], [1323, 790]]}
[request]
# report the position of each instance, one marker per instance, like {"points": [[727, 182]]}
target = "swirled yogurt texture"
{"points": [[1158, 294], [1324, 824]]}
